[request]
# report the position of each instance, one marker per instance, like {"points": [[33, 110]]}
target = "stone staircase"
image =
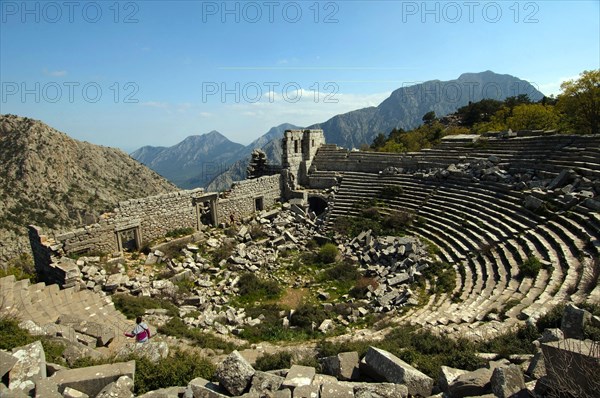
{"points": [[43, 304]]}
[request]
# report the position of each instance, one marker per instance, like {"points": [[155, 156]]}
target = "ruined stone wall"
{"points": [[154, 216], [299, 148], [241, 200]]}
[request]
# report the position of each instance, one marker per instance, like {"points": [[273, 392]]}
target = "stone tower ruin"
{"points": [[299, 148]]}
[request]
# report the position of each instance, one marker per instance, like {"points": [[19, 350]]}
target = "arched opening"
{"points": [[317, 204]]}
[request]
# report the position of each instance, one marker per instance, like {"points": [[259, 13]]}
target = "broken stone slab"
{"points": [[447, 377], [102, 334], [285, 393], [263, 382], [29, 368], [310, 391], [532, 203], [299, 376], [93, 379], [122, 388], [471, 384], [343, 366], [32, 327], [336, 390], [73, 393], [507, 381], [46, 388], [7, 361], [574, 321], [114, 281], [202, 388], [536, 368], [235, 373], [379, 390], [394, 370]]}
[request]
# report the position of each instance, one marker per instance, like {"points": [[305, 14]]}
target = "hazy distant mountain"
{"points": [[194, 161], [406, 106], [270, 143], [56, 182]]}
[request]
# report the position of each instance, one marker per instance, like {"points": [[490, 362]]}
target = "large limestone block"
{"points": [[122, 388], [471, 384], [7, 361], [299, 376], [153, 350], [344, 366], [507, 381], [394, 370], [46, 388], [170, 392], [202, 388], [380, 390], [304, 391], [235, 373], [448, 375], [573, 322], [262, 382], [336, 390], [93, 379], [29, 368]]}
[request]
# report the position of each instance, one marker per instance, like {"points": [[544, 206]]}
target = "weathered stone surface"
{"points": [[122, 388], [76, 350], [93, 379], [46, 388], [73, 393], [471, 384], [153, 350], [170, 392], [572, 365], [343, 366], [306, 391], [537, 368], [573, 322], [447, 377], [299, 376], [235, 373], [30, 367], [201, 388], [552, 334], [102, 333], [263, 381], [507, 381], [7, 361], [380, 390], [336, 390], [285, 393], [394, 370]]}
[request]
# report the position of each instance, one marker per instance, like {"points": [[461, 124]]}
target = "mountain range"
{"points": [[404, 108], [56, 182]]}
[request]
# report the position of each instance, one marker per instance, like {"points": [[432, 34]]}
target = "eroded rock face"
{"points": [[122, 388], [235, 373], [507, 381], [471, 384], [29, 368], [152, 350], [573, 322]]}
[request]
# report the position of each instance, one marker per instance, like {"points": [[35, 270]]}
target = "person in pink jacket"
{"points": [[141, 332]]}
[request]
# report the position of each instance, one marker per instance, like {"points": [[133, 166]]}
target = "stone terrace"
{"points": [[482, 227]]}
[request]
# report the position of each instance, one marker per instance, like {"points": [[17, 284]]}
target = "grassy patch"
{"points": [[530, 268], [176, 327], [252, 288], [133, 306]]}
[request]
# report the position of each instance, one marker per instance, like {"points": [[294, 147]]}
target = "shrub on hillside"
{"points": [[133, 306], [253, 288], [530, 267], [328, 253], [278, 360]]}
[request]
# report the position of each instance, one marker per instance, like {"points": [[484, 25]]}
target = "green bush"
{"points": [[342, 272], [306, 315], [134, 306], [279, 360], [271, 328], [391, 191], [176, 327], [252, 288], [21, 267], [530, 267], [178, 369], [519, 341], [12, 336], [328, 253]]}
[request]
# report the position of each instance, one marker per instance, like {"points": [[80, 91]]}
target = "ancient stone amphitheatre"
{"points": [[471, 239]]}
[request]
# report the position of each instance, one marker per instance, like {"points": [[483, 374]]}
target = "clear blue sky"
{"points": [[167, 70]]}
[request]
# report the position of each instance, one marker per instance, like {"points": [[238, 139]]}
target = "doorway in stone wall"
{"points": [[129, 239], [259, 204]]}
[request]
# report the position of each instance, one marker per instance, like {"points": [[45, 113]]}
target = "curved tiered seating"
{"points": [[44, 304], [484, 228]]}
